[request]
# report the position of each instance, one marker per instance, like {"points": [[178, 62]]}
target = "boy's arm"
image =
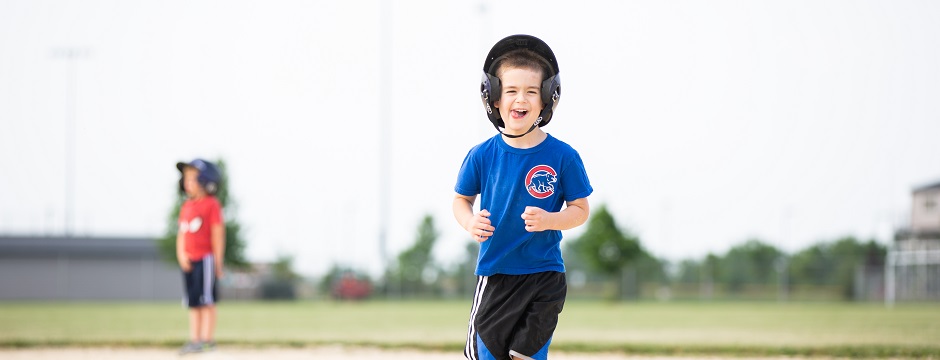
{"points": [[181, 252], [573, 215], [478, 225], [218, 247]]}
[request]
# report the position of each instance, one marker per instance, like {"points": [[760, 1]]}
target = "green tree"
{"points": [[234, 244], [415, 262], [813, 265], [749, 263], [701, 274], [606, 249], [689, 271], [835, 263]]}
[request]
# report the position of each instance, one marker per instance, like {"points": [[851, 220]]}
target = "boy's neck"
{"points": [[527, 141]]}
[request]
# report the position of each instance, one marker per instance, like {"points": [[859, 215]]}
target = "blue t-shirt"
{"points": [[509, 179]]}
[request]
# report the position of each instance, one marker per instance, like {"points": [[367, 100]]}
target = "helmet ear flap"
{"points": [[209, 177], [490, 91], [211, 187], [551, 93], [551, 89]]}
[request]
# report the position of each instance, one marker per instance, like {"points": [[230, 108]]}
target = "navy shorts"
{"points": [[199, 284], [515, 315]]}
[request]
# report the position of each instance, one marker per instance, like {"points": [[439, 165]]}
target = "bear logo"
{"points": [[540, 181]]}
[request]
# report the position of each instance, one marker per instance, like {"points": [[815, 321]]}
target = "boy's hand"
{"points": [[480, 226], [186, 265], [535, 220]]}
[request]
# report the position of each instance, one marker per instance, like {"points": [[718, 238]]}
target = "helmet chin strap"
{"points": [[534, 125]]}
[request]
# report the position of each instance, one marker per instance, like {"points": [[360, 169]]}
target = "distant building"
{"points": [[925, 212], [913, 263], [85, 268]]}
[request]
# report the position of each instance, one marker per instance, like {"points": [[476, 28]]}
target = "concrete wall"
{"points": [[84, 270]]}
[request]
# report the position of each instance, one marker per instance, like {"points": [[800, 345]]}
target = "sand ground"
{"points": [[235, 353]]}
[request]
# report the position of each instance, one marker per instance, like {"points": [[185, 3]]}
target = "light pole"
{"points": [[71, 55], [783, 262], [385, 106]]}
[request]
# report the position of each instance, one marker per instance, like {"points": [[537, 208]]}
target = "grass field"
{"points": [[722, 328]]}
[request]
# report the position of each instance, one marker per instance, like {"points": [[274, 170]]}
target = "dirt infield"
{"points": [[337, 352]]}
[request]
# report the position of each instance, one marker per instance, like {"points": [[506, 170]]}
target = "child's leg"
{"points": [[207, 325], [514, 316], [533, 332], [194, 324]]}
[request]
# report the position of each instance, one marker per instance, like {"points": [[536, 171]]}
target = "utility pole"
{"points": [[783, 262], [71, 56], [385, 107]]}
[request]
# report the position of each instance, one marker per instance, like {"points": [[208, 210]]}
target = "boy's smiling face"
{"points": [[520, 102]]}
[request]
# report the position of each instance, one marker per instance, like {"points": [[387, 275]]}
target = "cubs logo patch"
{"points": [[540, 181]]}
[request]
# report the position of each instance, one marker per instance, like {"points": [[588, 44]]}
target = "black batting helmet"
{"points": [[490, 88], [209, 176]]}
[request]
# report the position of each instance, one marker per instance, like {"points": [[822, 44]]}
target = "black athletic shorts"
{"points": [[199, 284], [515, 315]]}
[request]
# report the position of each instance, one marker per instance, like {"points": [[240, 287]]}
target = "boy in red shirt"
{"points": [[200, 250]]}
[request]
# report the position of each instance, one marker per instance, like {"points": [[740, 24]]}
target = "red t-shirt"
{"points": [[197, 216]]}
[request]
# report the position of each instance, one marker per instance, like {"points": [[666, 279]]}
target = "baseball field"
{"points": [[593, 329]]}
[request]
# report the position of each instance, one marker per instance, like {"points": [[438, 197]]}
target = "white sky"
{"points": [[701, 123]]}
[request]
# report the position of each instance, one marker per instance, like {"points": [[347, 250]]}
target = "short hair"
{"points": [[523, 59]]}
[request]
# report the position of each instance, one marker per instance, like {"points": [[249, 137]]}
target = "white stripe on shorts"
{"points": [[471, 330], [208, 279]]}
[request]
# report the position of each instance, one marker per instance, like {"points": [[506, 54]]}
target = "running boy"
{"points": [[200, 249], [523, 177]]}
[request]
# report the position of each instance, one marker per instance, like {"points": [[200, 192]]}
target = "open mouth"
{"points": [[519, 114]]}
